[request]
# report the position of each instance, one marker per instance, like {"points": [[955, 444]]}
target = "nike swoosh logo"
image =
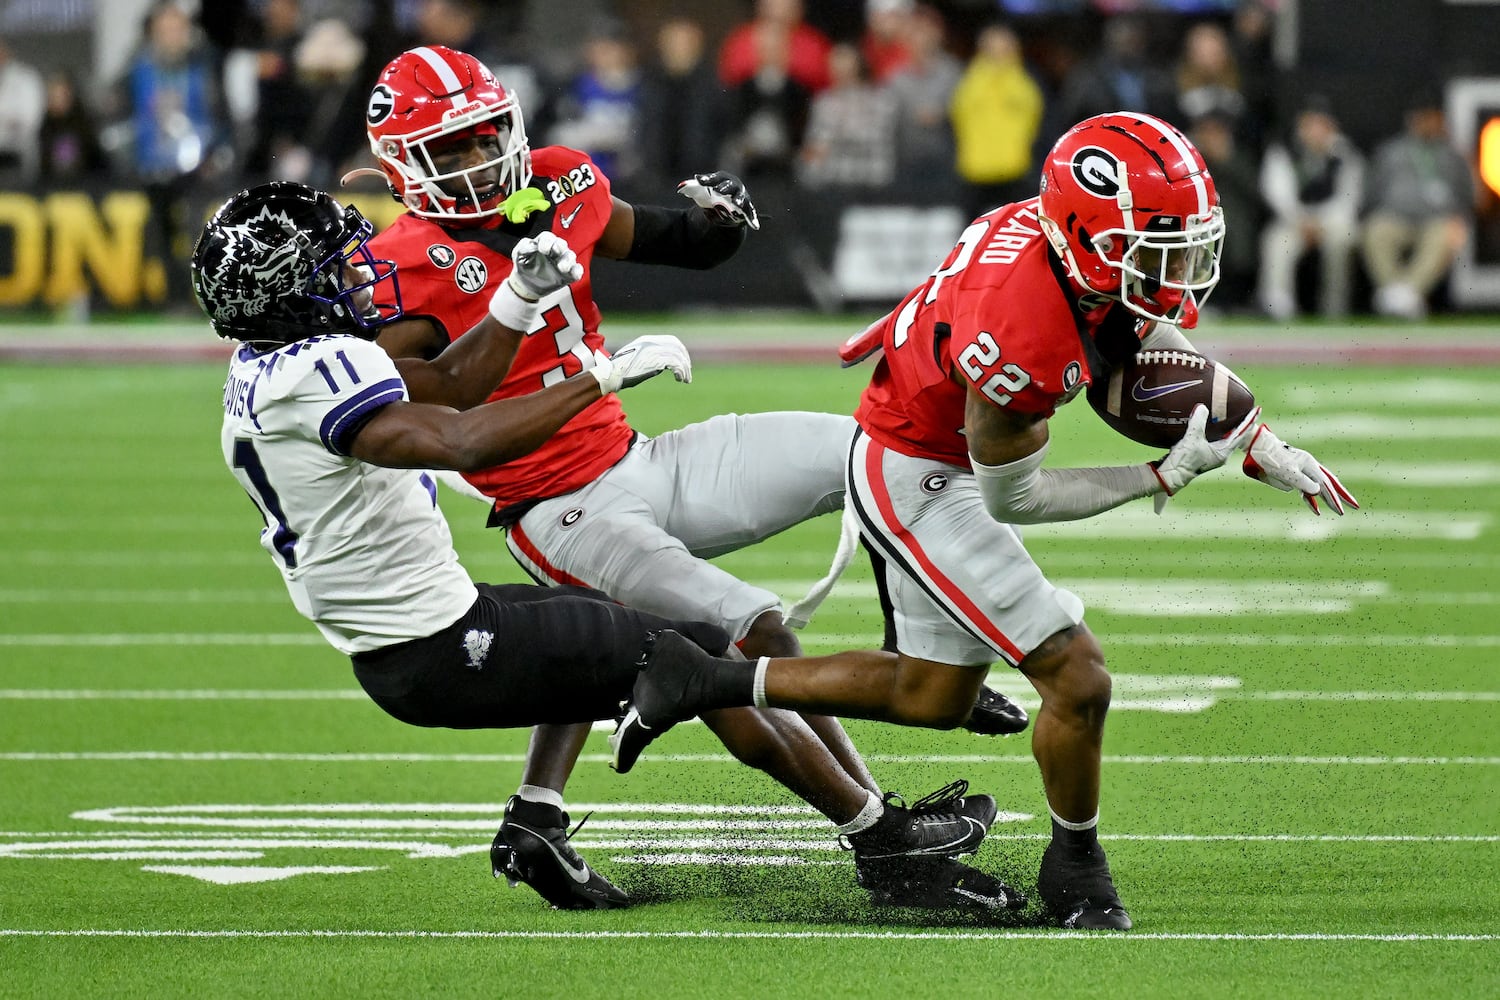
{"points": [[1141, 394], [579, 875], [567, 220]]}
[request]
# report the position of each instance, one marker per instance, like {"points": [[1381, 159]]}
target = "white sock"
{"points": [[868, 816], [758, 692], [1087, 824], [541, 795]]}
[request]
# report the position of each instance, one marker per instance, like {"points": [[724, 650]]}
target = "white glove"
{"points": [[723, 196], [1276, 463], [542, 265], [640, 359], [1195, 454]]}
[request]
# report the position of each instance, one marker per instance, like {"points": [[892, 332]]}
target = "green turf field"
{"points": [[1302, 772]]}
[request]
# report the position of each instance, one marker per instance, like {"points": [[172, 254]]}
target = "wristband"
{"points": [[512, 309]]}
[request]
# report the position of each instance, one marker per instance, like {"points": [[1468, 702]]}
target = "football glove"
{"points": [[1276, 463], [542, 265], [1195, 454], [723, 196], [640, 359]]}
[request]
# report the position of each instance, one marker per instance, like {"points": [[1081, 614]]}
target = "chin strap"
{"points": [[360, 172]]}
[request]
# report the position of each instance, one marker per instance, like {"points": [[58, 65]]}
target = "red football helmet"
{"points": [[431, 94], [1128, 204]]}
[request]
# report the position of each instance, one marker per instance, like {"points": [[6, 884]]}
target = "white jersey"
{"points": [[364, 550]]}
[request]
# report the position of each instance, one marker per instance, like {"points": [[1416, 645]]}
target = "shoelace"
{"points": [[573, 832], [948, 799]]}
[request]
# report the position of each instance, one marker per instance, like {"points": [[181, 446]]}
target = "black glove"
{"points": [[723, 196]]}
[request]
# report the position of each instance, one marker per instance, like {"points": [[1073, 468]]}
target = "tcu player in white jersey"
{"points": [[1037, 299], [599, 505], [328, 435]]}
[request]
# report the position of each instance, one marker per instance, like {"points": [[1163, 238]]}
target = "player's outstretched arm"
{"points": [[1272, 461], [467, 370], [427, 436], [1007, 450], [700, 237]]}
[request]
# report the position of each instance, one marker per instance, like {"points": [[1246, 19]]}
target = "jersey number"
{"points": [[283, 537], [563, 324], [984, 352], [968, 241]]}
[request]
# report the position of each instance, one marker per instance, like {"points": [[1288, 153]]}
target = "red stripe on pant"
{"points": [[875, 476], [540, 561]]}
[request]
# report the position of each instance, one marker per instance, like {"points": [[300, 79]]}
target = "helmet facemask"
{"points": [[1167, 274], [456, 195]]}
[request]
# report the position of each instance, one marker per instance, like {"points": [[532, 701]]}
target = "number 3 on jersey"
{"points": [[562, 323]]}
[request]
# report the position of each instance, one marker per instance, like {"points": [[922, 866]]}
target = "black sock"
{"points": [[1075, 841], [727, 684]]}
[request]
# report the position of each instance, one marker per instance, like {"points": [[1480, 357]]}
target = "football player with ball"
{"points": [[601, 505], [1038, 300]]}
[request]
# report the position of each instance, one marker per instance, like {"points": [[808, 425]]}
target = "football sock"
{"points": [[540, 794], [719, 683], [758, 689], [1080, 837], [867, 817]]}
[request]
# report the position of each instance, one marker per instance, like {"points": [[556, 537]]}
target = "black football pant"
{"points": [[520, 656]]}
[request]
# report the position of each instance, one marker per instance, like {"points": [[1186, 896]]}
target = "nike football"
{"points": [[1148, 398]]}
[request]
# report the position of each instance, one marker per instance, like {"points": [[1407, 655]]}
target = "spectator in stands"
{"points": [[886, 43], [777, 25], [70, 149], [328, 63], [281, 107], [923, 90], [996, 113], [682, 104], [1312, 185], [850, 127], [1236, 178], [1250, 43], [1208, 80], [174, 121], [23, 103], [1421, 202], [768, 112], [600, 108], [1121, 77]]}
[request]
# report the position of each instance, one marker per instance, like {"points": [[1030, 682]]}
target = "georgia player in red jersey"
{"points": [[599, 504], [1036, 299]]}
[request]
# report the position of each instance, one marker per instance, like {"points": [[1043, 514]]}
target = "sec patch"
{"points": [[471, 274]]}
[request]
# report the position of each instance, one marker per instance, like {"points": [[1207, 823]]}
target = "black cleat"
{"points": [[996, 715], [1079, 892], [630, 739], [946, 823], [532, 847], [661, 697], [935, 883]]}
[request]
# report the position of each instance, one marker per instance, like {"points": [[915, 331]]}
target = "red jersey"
{"points": [[998, 315], [448, 276]]}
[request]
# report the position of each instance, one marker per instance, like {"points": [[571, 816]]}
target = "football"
{"points": [[1149, 397]]}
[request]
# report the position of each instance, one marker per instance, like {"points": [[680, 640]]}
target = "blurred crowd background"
{"points": [[1332, 205]]}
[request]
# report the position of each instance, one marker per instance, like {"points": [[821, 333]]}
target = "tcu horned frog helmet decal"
{"points": [[427, 97], [281, 262], [1128, 204]]}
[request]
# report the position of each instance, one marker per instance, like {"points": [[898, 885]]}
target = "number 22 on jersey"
{"points": [[1001, 385]]}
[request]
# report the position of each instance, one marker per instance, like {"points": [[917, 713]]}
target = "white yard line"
{"points": [[1013, 686], [722, 935], [858, 640], [227, 756]]}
